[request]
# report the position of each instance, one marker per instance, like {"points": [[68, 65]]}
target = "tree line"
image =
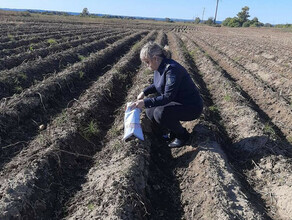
{"points": [[241, 20]]}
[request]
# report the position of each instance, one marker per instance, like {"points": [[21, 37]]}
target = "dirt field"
{"points": [[64, 83]]}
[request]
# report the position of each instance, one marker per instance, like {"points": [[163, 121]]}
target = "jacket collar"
{"points": [[162, 66]]}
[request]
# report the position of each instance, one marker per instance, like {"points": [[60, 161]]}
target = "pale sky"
{"points": [[267, 11]]}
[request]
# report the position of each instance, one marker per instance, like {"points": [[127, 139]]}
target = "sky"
{"points": [[267, 11]]}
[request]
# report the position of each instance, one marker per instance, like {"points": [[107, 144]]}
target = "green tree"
{"points": [[243, 15], [226, 21], [197, 20], [255, 22], [210, 21], [234, 22], [85, 12], [246, 24]]}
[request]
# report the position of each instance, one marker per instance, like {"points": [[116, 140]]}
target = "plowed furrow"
{"points": [[252, 141], [117, 186], [59, 34], [30, 28], [270, 102], [38, 33], [60, 163], [16, 43], [21, 116], [17, 59], [44, 43], [23, 36], [209, 186], [21, 77], [277, 77], [276, 58]]}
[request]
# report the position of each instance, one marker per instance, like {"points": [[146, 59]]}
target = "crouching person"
{"points": [[178, 97]]}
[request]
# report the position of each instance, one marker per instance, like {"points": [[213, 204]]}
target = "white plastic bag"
{"points": [[132, 124]]}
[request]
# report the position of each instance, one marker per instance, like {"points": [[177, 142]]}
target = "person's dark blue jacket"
{"points": [[173, 84]]}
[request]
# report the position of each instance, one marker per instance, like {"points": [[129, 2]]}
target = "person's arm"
{"points": [[149, 90], [173, 81], [140, 98]]}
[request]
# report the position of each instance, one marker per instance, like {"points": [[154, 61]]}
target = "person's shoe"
{"points": [[177, 143], [181, 141]]}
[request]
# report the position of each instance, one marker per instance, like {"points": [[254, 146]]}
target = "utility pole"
{"points": [[203, 15], [216, 12]]}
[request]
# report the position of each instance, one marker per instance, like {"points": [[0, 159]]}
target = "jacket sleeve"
{"points": [[173, 81], [149, 90]]}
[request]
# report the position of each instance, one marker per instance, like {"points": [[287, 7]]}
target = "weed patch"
{"points": [[268, 129], [91, 130], [11, 38], [227, 98], [80, 57], [81, 74], [52, 41], [213, 108]]}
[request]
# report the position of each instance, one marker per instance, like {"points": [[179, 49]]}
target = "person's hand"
{"points": [[132, 106], [140, 96], [138, 104]]}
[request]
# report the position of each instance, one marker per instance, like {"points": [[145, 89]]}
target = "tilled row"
{"points": [[278, 77], [45, 43], [162, 190], [21, 77], [17, 59], [54, 165], [41, 32], [23, 114], [272, 55], [14, 30], [209, 186], [16, 43], [273, 38], [252, 141], [28, 28], [117, 185], [275, 106]]}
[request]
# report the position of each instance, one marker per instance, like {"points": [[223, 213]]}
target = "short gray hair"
{"points": [[152, 49]]}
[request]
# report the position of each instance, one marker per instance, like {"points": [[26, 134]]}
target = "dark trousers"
{"points": [[169, 117]]}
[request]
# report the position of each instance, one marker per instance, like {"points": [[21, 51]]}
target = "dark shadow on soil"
{"points": [[259, 148], [264, 147], [163, 187], [184, 160]]}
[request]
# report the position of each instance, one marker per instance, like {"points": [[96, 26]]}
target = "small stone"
{"points": [[42, 127]]}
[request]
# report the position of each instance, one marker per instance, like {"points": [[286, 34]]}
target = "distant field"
{"points": [[64, 82]]}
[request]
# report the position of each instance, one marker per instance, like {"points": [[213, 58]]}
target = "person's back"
{"points": [[187, 93], [173, 83]]}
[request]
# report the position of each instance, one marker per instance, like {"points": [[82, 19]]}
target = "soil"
{"points": [[62, 153]]}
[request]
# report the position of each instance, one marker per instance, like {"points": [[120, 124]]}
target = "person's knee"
{"points": [[149, 113], [160, 115]]}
